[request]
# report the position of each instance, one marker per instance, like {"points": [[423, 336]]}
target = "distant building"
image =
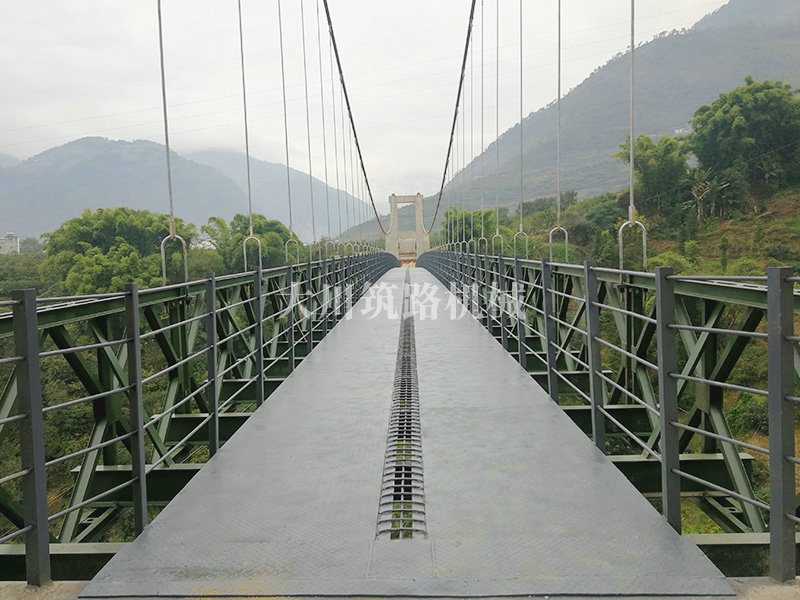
{"points": [[9, 244]]}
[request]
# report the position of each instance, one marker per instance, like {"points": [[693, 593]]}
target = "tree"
{"points": [[228, 238], [661, 170], [29, 245], [102, 250], [753, 130]]}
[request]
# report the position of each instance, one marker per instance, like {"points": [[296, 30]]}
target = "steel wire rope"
{"points": [[483, 142], [455, 116], [251, 236], [558, 226], [352, 121], [633, 220], [521, 231], [286, 137], [471, 138], [308, 128], [324, 133], [173, 233], [335, 138], [497, 132]]}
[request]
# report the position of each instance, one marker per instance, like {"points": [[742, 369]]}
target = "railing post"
{"points": [[211, 364], [136, 406], [549, 330], [502, 297], [290, 316], [325, 289], [31, 433], [595, 356], [484, 296], [309, 306], [780, 324], [258, 311], [522, 354], [668, 396]]}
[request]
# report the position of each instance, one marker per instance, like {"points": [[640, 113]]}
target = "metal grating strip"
{"points": [[401, 512]]}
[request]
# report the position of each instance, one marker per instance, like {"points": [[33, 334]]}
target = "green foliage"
{"points": [[102, 250], [19, 271], [671, 259], [691, 250], [29, 245], [662, 170], [751, 130], [749, 413], [228, 238]]}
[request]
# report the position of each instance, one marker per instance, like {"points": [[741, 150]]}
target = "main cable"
{"points": [[352, 121], [455, 116]]}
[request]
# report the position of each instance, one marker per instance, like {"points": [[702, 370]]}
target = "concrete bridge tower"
{"points": [[407, 245]]}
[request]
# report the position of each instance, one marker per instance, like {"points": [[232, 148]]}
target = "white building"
{"points": [[9, 244]]}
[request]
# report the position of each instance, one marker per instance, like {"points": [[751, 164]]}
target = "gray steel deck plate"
{"points": [[518, 501]]}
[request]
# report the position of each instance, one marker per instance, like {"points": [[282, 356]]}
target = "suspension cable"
{"points": [[558, 226], [455, 116], [246, 128], [173, 234], [521, 121], [463, 169], [308, 126], [558, 132], [285, 121], [335, 139], [172, 227], [352, 121], [344, 163], [632, 221], [497, 122], [324, 134], [483, 143], [472, 136]]}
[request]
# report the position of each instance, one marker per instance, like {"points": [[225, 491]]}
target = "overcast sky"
{"points": [[74, 68]]}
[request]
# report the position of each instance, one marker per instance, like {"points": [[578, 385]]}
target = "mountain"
{"points": [[677, 72], [6, 160], [270, 197], [40, 193]]}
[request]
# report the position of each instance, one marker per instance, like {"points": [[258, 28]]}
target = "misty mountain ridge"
{"points": [[40, 193], [676, 73], [6, 160]]}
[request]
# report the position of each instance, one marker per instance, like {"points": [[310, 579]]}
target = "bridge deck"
{"points": [[518, 501]]}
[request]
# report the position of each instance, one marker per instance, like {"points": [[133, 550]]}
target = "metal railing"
{"points": [[157, 378], [677, 351]]}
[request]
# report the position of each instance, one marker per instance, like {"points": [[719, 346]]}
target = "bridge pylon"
{"points": [[407, 245]]}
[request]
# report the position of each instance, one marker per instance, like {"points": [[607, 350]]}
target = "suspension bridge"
{"points": [[474, 425]]}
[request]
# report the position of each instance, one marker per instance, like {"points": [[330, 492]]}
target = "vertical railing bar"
{"points": [[668, 397], [136, 406], [780, 324], [502, 296], [258, 308], [549, 331], [290, 314], [596, 388], [31, 432], [522, 355], [212, 398]]}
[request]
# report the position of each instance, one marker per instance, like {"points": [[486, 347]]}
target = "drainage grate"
{"points": [[401, 513]]}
